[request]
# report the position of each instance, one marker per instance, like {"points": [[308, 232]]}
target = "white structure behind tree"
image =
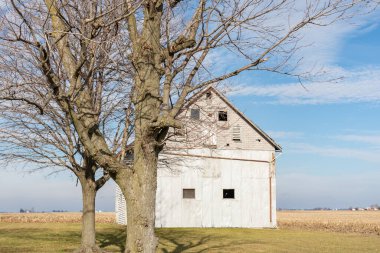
{"points": [[218, 171]]}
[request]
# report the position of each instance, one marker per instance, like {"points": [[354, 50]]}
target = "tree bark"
{"points": [[141, 199], [142, 183], [88, 240]]}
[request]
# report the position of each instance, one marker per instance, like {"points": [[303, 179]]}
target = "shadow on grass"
{"points": [[180, 247], [170, 240], [112, 237], [175, 241]]}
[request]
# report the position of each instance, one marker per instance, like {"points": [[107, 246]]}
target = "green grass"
{"points": [[61, 237]]}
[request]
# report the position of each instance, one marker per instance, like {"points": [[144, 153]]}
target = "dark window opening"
{"points": [[188, 193], [228, 193], [195, 114], [222, 116], [208, 95]]}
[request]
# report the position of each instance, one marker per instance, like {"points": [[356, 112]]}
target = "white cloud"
{"points": [[285, 134], [320, 45], [331, 151], [360, 85], [373, 139], [320, 48]]}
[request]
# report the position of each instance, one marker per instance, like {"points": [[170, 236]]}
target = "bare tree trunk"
{"points": [[88, 241], [141, 198]]}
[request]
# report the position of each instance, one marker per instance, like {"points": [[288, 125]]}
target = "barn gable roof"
{"points": [[198, 95]]}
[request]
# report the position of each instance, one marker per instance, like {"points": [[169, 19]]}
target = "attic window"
{"points": [[188, 193], [195, 114], [236, 133], [228, 193], [208, 95], [222, 116]]}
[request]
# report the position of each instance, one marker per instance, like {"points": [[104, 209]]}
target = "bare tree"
{"points": [[34, 129], [49, 141], [170, 46]]}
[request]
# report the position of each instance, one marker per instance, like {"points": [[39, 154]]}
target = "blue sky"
{"points": [[330, 132]]}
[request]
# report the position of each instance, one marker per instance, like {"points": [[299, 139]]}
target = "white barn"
{"points": [[219, 171]]}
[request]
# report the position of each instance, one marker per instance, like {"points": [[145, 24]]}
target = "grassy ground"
{"points": [[65, 237]]}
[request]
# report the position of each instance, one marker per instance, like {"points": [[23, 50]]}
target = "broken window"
{"points": [[222, 115], [195, 113], [236, 133], [228, 193], [188, 193]]}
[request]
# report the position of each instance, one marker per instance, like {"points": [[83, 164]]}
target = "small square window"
{"points": [[222, 116], [195, 114], [228, 193], [188, 193], [208, 95]]}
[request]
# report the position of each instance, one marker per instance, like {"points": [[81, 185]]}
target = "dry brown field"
{"points": [[106, 217], [363, 222]]}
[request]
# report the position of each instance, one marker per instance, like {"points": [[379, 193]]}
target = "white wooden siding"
{"points": [[208, 127], [120, 207], [209, 176], [205, 157]]}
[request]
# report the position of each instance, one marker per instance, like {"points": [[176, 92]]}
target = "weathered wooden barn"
{"points": [[218, 171]]}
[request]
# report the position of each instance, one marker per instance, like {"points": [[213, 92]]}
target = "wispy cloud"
{"points": [[320, 48], [321, 45], [373, 139], [360, 85], [285, 134], [331, 151]]}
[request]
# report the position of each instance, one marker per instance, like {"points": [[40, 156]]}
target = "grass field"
{"points": [[61, 233]]}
